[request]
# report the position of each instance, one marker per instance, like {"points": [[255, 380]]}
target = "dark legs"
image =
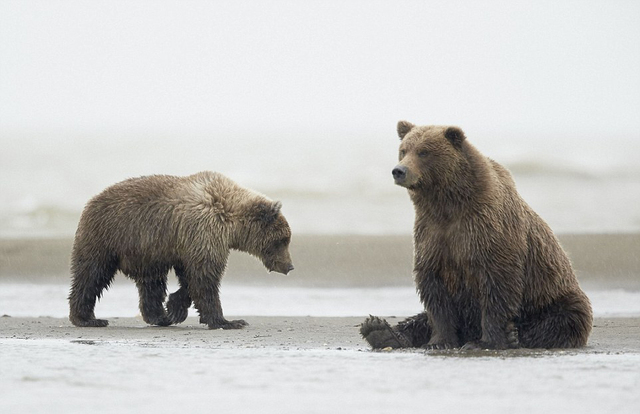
{"points": [[179, 301], [206, 297], [566, 324], [152, 291], [413, 332], [90, 278]]}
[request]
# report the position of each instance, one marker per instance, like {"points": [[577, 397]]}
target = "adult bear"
{"points": [[488, 270], [145, 226]]}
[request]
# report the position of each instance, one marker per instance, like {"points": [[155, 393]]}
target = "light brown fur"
{"points": [[488, 269], [145, 226]]}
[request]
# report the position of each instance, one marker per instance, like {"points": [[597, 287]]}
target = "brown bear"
{"points": [[488, 270], [145, 226]]}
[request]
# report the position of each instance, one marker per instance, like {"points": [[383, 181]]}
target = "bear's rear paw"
{"points": [[236, 324], [178, 306], [379, 334], [89, 323], [177, 315]]}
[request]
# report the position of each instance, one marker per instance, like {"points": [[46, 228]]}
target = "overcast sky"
{"points": [[544, 67]]}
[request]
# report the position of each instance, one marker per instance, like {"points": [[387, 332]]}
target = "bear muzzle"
{"points": [[400, 174], [283, 268]]}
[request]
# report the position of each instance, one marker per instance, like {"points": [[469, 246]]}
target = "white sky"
{"points": [[544, 67]]}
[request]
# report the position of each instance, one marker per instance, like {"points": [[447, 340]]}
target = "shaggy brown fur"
{"points": [[146, 226], [488, 270]]}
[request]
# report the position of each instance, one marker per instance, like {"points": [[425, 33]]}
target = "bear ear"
{"points": [[403, 128], [276, 207], [267, 211], [455, 136]]}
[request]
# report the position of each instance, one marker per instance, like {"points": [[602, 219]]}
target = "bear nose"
{"points": [[290, 268], [399, 173]]}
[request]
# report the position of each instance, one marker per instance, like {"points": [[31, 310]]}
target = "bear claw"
{"points": [[177, 315], [90, 323], [379, 334], [236, 324]]}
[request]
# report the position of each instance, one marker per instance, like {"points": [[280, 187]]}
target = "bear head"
{"points": [[428, 156], [268, 236]]}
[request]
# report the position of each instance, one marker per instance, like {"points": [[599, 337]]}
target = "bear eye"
{"points": [[403, 153], [423, 153]]}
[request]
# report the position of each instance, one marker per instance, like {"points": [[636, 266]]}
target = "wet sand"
{"points": [[601, 261], [280, 333], [302, 364]]}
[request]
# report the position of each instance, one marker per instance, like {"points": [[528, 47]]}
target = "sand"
{"points": [[600, 260], [281, 333], [301, 365], [304, 364]]}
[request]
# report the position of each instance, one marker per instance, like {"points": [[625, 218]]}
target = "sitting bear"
{"points": [[146, 226], [488, 270]]}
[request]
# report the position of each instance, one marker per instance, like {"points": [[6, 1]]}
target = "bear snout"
{"points": [[399, 174], [283, 268]]}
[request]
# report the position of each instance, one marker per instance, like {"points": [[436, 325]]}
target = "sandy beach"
{"points": [[600, 260], [287, 362], [301, 365]]}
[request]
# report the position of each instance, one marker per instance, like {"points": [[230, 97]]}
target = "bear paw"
{"points": [[158, 320], [89, 323], [440, 346], [482, 345], [177, 312], [178, 306], [225, 324], [379, 334], [177, 315]]}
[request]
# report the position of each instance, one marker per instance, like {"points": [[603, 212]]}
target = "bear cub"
{"points": [[488, 270], [145, 226]]}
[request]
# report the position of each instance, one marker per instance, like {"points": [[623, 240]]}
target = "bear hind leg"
{"points": [[90, 279], [566, 325], [179, 301], [413, 332]]}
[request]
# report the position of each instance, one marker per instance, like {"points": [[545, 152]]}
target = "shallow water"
{"points": [[59, 376], [122, 300]]}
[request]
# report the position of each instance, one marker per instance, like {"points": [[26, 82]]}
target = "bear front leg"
{"points": [[205, 292], [499, 302], [440, 310]]}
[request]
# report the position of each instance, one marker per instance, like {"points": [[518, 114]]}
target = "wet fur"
{"points": [[146, 226], [489, 271]]}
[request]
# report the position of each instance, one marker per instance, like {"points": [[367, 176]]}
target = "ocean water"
{"points": [[336, 182]]}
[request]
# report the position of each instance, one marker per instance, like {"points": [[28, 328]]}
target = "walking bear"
{"points": [[145, 226], [488, 270]]}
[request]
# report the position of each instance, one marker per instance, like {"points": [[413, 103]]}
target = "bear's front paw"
{"points": [[379, 334], [440, 346], [89, 323], [483, 345], [236, 324], [157, 320]]}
